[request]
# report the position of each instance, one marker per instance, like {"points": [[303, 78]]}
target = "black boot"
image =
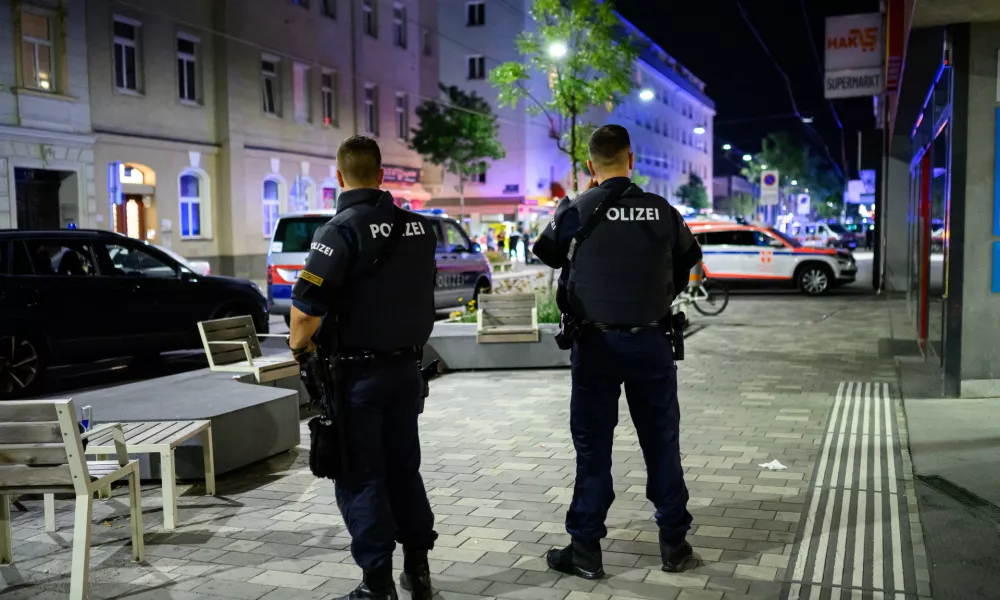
{"points": [[376, 585], [581, 558], [416, 575], [676, 555]]}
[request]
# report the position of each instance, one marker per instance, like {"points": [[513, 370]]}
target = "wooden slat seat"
{"points": [[163, 438], [41, 451], [232, 345], [507, 318]]}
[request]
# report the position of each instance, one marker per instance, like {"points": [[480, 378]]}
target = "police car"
{"points": [[463, 271], [758, 254]]}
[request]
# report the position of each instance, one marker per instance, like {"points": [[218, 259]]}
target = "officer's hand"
{"points": [[592, 183]]}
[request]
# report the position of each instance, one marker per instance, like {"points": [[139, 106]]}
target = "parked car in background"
{"points": [[200, 267], [821, 235], [76, 296], [463, 271], [764, 256]]}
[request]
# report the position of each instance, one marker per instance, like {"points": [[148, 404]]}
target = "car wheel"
{"points": [[22, 366], [482, 287], [814, 279]]}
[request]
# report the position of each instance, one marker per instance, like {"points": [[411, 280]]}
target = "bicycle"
{"points": [[708, 296]]}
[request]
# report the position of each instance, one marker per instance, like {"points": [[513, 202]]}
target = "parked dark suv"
{"points": [[74, 296]]}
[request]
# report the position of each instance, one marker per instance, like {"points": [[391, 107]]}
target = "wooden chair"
{"points": [[506, 318], [231, 345], [41, 452]]}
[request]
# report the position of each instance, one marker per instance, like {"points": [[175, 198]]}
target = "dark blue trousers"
{"points": [[643, 361], [383, 501]]}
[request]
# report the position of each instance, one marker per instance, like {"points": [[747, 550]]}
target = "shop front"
{"points": [[404, 183]]}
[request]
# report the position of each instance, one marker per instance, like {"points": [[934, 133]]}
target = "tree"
{"points": [[580, 48], [694, 194], [639, 179], [458, 136]]}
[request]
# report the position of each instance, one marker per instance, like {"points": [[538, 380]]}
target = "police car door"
{"points": [[463, 267], [775, 258]]}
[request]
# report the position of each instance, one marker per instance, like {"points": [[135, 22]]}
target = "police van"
{"points": [[463, 271]]}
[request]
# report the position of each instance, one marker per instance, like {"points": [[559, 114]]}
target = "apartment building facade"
{"points": [[534, 172], [199, 122]]}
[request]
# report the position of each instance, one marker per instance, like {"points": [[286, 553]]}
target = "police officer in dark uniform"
{"points": [[384, 315], [620, 273]]}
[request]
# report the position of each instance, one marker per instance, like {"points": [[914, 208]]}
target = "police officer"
{"points": [[384, 315], [620, 274]]}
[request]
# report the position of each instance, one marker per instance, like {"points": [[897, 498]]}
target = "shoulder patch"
{"points": [[311, 278]]}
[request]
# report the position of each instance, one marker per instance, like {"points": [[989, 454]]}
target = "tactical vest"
{"points": [[392, 307], [623, 273]]}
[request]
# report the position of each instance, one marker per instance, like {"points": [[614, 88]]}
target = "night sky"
{"points": [[711, 38]]}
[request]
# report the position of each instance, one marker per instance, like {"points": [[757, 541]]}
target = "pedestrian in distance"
{"points": [[515, 239], [625, 255], [370, 272]]}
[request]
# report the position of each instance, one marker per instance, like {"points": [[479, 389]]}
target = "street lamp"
{"points": [[763, 166], [699, 130], [747, 158], [558, 50], [795, 182], [727, 147], [646, 95]]}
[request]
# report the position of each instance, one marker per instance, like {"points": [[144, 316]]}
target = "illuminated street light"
{"points": [[646, 95], [558, 49], [747, 158], [763, 166], [795, 182], [727, 147], [807, 120], [699, 130]]}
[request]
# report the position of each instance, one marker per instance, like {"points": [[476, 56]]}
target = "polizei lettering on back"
{"points": [[384, 229], [633, 213]]}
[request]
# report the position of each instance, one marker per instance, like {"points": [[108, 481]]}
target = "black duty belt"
{"points": [[357, 356], [614, 327]]}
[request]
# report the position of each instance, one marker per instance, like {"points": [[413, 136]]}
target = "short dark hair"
{"points": [[359, 160], [610, 145]]}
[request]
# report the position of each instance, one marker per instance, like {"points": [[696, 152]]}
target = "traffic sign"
{"points": [[769, 188]]}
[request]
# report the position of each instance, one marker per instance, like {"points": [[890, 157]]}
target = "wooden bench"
{"points": [[506, 318], [231, 346], [162, 438], [41, 452]]}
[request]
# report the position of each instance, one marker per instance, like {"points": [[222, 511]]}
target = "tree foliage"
{"points": [[796, 161], [596, 70], [694, 194], [457, 135]]}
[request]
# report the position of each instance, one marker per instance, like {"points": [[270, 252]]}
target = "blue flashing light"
{"points": [[71, 226]]}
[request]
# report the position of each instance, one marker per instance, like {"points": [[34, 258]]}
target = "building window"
{"points": [[300, 92], [402, 117], [371, 109], [38, 69], [190, 206], [428, 43], [369, 18], [272, 205], [300, 199], [329, 8], [477, 67], [328, 200], [475, 14], [126, 54], [399, 25], [480, 176], [187, 69], [329, 98], [269, 86]]}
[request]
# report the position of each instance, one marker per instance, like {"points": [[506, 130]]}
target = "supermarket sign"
{"points": [[854, 56]]}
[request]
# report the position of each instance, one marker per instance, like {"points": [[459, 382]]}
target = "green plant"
{"points": [[546, 308], [694, 194], [580, 49], [458, 136], [496, 257]]}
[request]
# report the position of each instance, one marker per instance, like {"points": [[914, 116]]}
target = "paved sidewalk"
{"points": [[773, 378]]}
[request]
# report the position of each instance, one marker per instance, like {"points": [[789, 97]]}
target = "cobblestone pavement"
{"points": [[770, 379]]}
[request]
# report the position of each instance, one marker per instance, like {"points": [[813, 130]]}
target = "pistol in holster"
{"points": [[432, 370], [677, 322]]}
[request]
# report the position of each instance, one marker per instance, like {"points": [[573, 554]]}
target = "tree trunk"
{"points": [[461, 202], [572, 153]]}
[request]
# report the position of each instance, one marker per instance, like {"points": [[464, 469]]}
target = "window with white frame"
{"points": [[329, 8], [127, 67], [371, 109], [328, 198], [476, 67], [328, 96], [38, 35], [369, 17], [300, 197], [399, 25], [187, 69], [269, 85], [475, 13], [402, 117], [271, 204], [300, 92], [190, 204]]}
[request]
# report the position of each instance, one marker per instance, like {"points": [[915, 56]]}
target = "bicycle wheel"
{"points": [[712, 299]]}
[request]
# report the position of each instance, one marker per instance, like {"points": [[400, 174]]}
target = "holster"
{"points": [[328, 457], [569, 331], [677, 322]]}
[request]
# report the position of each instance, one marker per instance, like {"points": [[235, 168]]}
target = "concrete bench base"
{"points": [[249, 422], [455, 344]]}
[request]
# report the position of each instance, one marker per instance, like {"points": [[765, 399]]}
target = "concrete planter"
{"points": [[456, 346]]}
